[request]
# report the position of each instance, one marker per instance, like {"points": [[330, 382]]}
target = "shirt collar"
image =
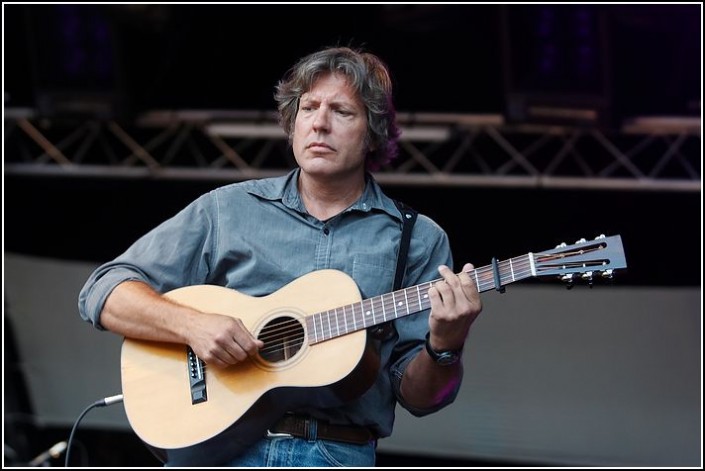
{"points": [[285, 189]]}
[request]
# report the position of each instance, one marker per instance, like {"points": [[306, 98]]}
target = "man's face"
{"points": [[330, 128]]}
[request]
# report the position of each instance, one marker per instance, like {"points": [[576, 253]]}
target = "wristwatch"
{"points": [[444, 357]]}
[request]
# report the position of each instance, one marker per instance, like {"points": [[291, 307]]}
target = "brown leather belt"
{"points": [[303, 427]]}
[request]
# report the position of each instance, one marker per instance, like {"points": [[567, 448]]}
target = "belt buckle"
{"points": [[271, 434]]}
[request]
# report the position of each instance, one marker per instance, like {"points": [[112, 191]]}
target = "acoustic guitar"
{"points": [[316, 352]]}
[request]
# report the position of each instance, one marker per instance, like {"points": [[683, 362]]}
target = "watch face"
{"points": [[447, 358]]}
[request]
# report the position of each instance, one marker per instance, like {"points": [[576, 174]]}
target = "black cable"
{"points": [[101, 403]]}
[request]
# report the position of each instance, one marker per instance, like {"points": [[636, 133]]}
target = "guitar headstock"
{"points": [[586, 258]]}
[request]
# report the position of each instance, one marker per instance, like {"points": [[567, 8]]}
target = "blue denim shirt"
{"points": [[256, 236]]}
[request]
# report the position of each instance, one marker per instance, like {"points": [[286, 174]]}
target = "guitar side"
{"points": [[252, 394]]}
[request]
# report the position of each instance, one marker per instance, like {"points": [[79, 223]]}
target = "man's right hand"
{"points": [[221, 340]]}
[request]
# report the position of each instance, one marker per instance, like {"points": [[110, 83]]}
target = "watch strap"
{"points": [[443, 357]]}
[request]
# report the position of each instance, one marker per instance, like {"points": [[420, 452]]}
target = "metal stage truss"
{"points": [[647, 153]]}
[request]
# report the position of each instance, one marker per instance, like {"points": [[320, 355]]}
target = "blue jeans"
{"points": [[299, 452]]}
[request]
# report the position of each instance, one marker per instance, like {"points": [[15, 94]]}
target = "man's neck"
{"points": [[324, 199]]}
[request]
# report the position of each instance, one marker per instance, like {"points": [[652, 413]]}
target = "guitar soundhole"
{"points": [[283, 338]]}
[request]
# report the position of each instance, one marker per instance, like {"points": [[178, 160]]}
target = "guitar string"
{"points": [[513, 269], [388, 303], [508, 269], [293, 328], [505, 269]]}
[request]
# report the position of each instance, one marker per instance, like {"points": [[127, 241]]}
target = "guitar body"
{"points": [[244, 400]]}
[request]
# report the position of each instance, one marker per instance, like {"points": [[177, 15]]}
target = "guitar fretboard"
{"points": [[350, 318]]}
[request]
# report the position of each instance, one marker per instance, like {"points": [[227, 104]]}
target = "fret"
{"points": [[488, 278], [354, 324], [362, 314], [420, 297], [399, 304], [335, 324], [503, 273], [406, 301], [511, 267], [342, 326], [355, 316], [394, 303], [384, 310], [311, 328], [346, 318], [370, 312], [320, 335], [366, 312]]}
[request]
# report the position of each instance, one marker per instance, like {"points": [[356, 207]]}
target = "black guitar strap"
{"points": [[408, 218]]}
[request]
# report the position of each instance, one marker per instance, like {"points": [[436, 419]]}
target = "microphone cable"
{"points": [[106, 401]]}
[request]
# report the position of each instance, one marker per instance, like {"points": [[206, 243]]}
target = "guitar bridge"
{"points": [[197, 377]]}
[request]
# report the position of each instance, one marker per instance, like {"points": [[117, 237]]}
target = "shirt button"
{"points": [[326, 231]]}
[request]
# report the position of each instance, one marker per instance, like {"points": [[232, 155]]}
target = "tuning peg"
{"points": [[587, 276], [581, 241], [568, 280], [609, 273], [561, 245], [601, 236]]}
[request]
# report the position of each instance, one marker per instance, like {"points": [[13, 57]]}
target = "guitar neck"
{"points": [[350, 318]]}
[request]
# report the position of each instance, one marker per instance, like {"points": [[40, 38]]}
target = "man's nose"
{"points": [[321, 120]]}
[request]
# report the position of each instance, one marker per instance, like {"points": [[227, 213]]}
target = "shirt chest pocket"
{"points": [[374, 274]]}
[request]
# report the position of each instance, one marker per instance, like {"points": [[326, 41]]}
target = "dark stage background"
{"points": [[444, 58]]}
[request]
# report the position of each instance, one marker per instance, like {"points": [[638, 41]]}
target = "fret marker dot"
{"points": [[368, 313]]}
